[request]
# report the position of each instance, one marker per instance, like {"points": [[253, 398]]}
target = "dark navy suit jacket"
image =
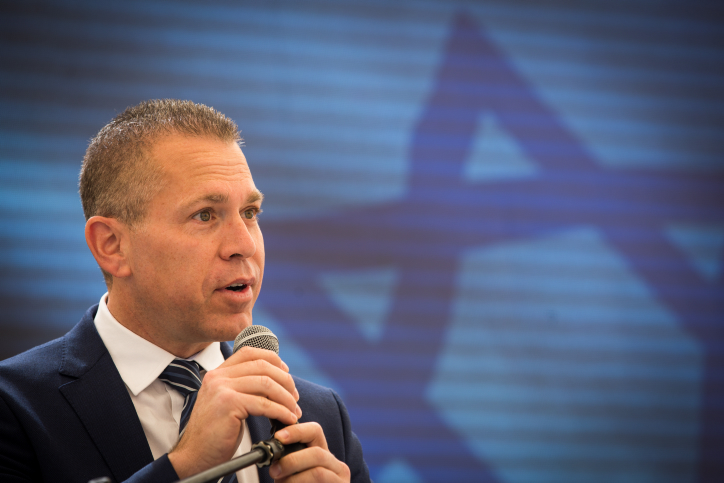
{"points": [[66, 416]]}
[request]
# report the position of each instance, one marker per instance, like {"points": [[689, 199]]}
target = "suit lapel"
{"points": [[100, 399]]}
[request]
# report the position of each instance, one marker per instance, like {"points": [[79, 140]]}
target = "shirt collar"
{"points": [[139, 361]]}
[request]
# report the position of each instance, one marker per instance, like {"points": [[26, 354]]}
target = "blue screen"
{"points": [[496, 229]]}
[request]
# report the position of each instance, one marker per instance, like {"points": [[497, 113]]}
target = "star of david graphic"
{"points": [[423, 235]]}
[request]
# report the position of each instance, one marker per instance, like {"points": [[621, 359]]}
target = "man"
{"points": [[172, 221]]}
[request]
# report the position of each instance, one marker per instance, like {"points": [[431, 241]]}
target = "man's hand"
{"points": [[313, 464], [252, 382]]}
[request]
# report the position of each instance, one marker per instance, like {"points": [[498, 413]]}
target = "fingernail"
{"points": [[282, 435], [274, 470], [298, 410], [286, 367], [296, 394]]}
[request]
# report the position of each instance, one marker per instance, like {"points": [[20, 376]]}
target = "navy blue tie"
{"points": [[185, 377]]}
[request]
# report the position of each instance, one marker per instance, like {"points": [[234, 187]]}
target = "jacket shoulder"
{"points": [[46, 362], [33, 364], [312, 388]]}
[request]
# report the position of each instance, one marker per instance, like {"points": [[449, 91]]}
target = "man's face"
{"points": [[197, 259]]}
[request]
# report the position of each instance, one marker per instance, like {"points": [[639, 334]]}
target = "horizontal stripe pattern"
{"points": [[540, 371]]}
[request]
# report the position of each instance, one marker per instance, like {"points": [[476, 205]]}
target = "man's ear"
{"points": [[107, 238]]}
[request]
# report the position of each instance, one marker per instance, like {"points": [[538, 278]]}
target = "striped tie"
{"points": [[184, 376]]}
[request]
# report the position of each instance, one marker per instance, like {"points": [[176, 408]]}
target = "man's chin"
{"points": [[230, 329]]}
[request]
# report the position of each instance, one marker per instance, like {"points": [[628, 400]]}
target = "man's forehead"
{"points": [[204, 169], [186, 156], [177, 150]]}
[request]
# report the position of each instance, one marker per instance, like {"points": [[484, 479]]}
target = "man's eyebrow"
{"points": [[255, 196], [209, 198], [215, 198]]}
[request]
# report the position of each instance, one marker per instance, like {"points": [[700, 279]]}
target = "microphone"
{"points": [[263, 453], [257, 336]]}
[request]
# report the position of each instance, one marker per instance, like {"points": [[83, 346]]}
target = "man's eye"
{"points": [[251, 213], [203, 216]]}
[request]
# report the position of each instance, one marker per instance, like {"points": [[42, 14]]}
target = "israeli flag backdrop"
{"points": [[496, 228]]}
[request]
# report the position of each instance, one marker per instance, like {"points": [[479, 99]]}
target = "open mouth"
{"points": [[237, 287]]}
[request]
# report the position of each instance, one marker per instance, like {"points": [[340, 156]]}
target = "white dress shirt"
{"points": [[158, 405]]}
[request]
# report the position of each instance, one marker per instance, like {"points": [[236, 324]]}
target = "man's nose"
{"points": [[237, 241]]}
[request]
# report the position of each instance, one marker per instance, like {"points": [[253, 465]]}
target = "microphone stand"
{"points": [[262, 454]]}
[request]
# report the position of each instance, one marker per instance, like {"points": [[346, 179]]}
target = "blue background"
{"points": [[496, 228]]}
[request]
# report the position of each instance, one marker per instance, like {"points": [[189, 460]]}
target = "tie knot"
{"points": [[182, 375]]}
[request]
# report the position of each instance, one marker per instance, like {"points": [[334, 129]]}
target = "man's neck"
{"points": [[125, 314]]}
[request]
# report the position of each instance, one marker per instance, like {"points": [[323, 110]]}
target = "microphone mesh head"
{"points": [[257, 336]]}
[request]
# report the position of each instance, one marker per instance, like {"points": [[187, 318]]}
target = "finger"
{"points": [[249, 404], [315, 462], [309, 433], [253, 353], [260, 367], [267, 387], [312, 461], [318, 474]]}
